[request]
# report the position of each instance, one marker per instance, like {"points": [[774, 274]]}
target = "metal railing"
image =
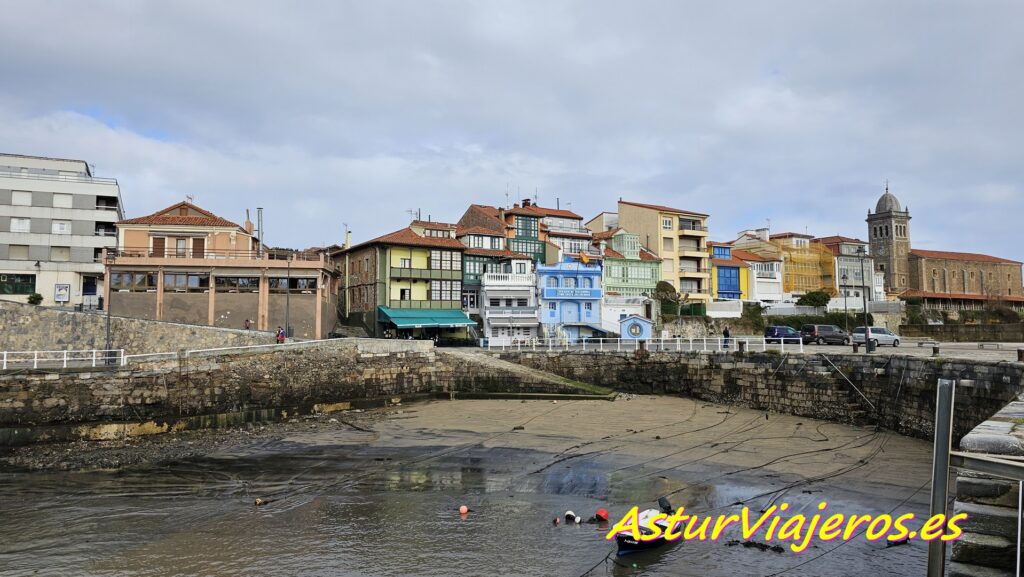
{"points": [[563, 228], [528, 312], [62, 359], [508, 278], [719, 344], [63, 177]]}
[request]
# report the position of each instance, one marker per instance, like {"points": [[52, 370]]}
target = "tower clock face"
{"points": [[882, 250]]}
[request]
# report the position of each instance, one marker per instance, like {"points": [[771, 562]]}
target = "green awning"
{"points": [[419, 318]]}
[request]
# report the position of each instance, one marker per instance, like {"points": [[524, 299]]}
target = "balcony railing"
{"points": [[698, 270], [64, 177], [518, 312], [209, 253], [574, 229], [508, 279], [106, 233], [686, 227], [410, 304]]}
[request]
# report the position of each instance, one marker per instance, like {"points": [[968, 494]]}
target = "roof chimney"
{"points": [[526, 202], [348, 239]]}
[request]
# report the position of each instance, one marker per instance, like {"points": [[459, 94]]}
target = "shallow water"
{"points": [[351, 508]]}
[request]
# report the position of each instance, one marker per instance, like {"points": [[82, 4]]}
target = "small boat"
{"points": [[627, 544]]}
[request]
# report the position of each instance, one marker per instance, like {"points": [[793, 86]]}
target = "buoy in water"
{"points": [[557, 521], [579, 520], [259, 502], [463, 510], [602, 514], [569, 516]]}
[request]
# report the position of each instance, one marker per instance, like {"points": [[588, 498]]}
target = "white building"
{"points": [[508, 303], [854, 271], [765, 282], [55, 220], [614, 308]]}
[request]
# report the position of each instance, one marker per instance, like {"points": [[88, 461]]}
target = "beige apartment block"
{"points": [[679, 238]]}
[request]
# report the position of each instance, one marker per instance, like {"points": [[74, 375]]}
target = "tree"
{"points": [[817, 298], [35, 298], [664, 291]]}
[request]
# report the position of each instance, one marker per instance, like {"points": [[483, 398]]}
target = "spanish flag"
{"points": [[584, 258]]}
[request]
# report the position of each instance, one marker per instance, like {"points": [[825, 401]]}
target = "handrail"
{"points": [[61, 359], [64, 177], [709, 344], [171, 252]]}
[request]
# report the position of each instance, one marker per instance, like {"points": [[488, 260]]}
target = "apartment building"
{"points": [[56, 219], [679, 238]]}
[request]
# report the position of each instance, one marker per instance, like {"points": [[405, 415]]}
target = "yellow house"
{"points": [[730, 276], [407, 283]]}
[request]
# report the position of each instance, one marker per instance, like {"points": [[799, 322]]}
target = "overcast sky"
{"points": [[327, 113]]}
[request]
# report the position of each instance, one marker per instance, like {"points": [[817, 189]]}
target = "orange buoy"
{"points": [[602, 514], [463, 510]]}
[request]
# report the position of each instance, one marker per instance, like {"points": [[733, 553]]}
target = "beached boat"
{"points": [[627, 544]]}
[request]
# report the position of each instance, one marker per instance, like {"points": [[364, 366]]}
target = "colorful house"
{"points": [[407, 284], [520, 225], [570, 299], [629, 269], [730, 276]]}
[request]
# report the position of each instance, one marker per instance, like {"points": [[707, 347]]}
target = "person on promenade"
{"points": [[726, 334], [280, 336]]}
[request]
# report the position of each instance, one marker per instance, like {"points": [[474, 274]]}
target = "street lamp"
{"points": [[868, 345], [846, 305]]}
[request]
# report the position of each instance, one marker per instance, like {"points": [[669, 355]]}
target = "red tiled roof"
{"points": [[408, 237], [719, 243], [603, 235], [662, 208], [556, 212], [648, 255], [496, 253], [610, 253], [161, 217], [837, 239], [751, 257], [961, 296], [432, 224], [464, 230], [960, 256], [728, 262]]}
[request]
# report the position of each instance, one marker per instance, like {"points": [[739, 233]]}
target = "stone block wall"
{"points": [[29, 328], [989, 544], [1003, 333], [900, 391]]}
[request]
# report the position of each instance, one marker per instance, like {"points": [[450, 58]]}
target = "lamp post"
{"points": [[868, 345], [287, 296], [846, 305]]}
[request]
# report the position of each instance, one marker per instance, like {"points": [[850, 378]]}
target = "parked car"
{"points": [[824, 335], [880, 336], [779, 334]]}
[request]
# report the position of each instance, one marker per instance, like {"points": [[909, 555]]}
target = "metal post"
{"points": [[65, 358], [35, 359], [940, 469], [287, 296], [94, 358], [1020, 506], [868, 347], [5, 360]]}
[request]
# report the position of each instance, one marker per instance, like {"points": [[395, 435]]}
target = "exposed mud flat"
{"points": [[377, 493]]}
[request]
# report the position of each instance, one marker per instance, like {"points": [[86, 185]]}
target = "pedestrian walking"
{"points": [[280, 336], [248, 324], [726, 334]]}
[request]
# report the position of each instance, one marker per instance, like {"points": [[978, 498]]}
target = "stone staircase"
{"points": [[474, 371]]}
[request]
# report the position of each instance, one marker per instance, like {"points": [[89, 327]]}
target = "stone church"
{"points": [[944, 279]]}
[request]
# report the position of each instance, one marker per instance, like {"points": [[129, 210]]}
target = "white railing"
{"points": [[711, 345], [62, 359], [199, 352], [505, 278], [521, 312]]}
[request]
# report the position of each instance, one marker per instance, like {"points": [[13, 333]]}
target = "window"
{"points": [[569, 282], [495, 302], [666, 223], [60, 253], [133, 282], [473, 266], [405, 262], [552, 282], [522, 302], [585, 282], [526, 226], [520, 268], [21, 198], [436, 233], [60, 227], [588, 306], [180, 247], [445, 260], [445, 290], [237, 284], [405, 294], [191, 282], [476, 241], [496, 243], [17, 252], [552, 306], [293, 285], [21, 224], [61, 200], [666, 244], [17, 284]]}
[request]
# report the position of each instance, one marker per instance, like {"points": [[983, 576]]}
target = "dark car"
{"points": [[824, 335], [778, 334]]}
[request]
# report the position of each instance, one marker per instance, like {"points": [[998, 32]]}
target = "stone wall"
{"points": [[899, 391], [293, 377], [1003, 333], [989, 544], [29, 328]]}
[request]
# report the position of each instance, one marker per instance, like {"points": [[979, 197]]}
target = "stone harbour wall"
{"points": [[31, 328], [899, 390], [989, 544]]}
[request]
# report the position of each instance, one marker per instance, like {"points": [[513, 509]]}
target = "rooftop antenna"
{"points": [[190, 198], [536, 196]]}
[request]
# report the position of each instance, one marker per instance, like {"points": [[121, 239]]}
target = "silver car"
{"points": [[880, 335]]}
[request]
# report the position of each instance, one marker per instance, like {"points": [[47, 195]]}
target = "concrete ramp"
{"points": [[475, 372]]}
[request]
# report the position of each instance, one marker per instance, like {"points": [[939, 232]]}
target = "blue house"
{"points": [[570, 299], [636, 328]]}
